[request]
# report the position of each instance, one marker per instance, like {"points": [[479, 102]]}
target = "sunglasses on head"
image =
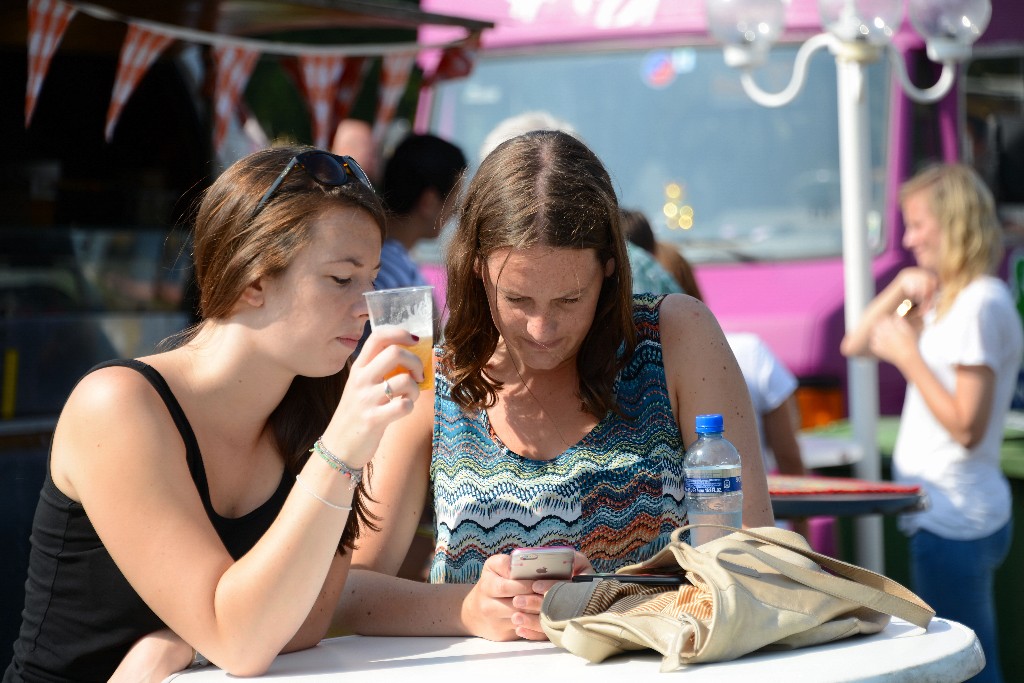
{"points": [[327, 169]]}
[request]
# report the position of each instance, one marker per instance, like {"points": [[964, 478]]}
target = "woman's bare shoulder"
{"points": [[111, 418], [687, 321], [114, 390]]}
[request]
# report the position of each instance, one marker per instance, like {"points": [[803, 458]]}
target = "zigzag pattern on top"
{"points": [[616, 495]]}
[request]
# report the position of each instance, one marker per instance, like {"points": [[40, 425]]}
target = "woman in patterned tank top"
{"points": [[562, 408]]}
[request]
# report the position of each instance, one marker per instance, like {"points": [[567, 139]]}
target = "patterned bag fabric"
{"points": [[751, 589]]}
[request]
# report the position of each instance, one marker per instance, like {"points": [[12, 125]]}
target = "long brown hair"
{"points": [[679, 268], [541, 188], [233, 248]]}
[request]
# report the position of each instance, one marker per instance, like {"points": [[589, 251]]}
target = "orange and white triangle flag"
{"points": [[395, 70], [140, 49], [47, 21], [234, 66], [320, 78], [348, 88]]}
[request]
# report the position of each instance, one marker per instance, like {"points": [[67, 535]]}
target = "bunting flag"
{"points": [[234, 65], [395, 69], [320, 80], [348, 88], [47, 21], [329, 77], [140, 49], [455, 62]]}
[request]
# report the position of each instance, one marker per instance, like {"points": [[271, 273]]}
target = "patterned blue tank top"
{"points": [[615, 496]]}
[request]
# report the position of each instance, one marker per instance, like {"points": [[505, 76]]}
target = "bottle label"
{"points": [[713, 485]]}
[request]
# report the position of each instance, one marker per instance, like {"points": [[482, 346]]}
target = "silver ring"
{"points": [[387, 390]]}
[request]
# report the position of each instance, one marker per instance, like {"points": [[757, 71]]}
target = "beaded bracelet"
{"points": [[336, 463], [313, 493]]}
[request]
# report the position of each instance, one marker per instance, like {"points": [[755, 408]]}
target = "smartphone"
{"points": [[548, 562], [649, 579]]}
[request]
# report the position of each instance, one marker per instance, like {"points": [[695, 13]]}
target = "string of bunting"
{"points": [[329, 75], [353, 72]]}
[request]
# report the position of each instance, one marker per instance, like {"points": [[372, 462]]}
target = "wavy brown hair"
{"points": [[543, 188], [234, 248], [972, 241]]}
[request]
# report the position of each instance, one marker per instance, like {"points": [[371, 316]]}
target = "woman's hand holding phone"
{"points": [[541, 572], [501, 608]]}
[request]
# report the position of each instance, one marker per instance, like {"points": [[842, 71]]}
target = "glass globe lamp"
{"points": [[871, 21], [949, 27], [746, 28]]}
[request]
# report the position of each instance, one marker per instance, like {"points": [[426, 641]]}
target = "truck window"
{"points": [[717, 174]]}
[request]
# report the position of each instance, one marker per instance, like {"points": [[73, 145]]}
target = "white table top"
{"points": [[948, 651]]}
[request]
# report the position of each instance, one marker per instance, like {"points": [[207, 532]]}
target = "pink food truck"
{"points": [[749, 194]]}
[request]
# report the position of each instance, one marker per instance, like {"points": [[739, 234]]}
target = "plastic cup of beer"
{"points": [[412, 309]]}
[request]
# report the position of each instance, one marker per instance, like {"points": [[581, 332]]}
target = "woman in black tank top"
{"points": [[168, 524]]}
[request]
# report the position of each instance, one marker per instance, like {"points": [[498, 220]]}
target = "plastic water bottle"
{"points": [[714, 492]]}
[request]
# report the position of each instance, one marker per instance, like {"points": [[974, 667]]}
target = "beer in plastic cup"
{"points": [[412, 309]]}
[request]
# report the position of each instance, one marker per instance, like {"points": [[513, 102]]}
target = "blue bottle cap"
{"points": [[709, 424]]}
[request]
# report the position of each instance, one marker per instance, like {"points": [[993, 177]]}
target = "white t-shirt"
{"points": [[768, 380], [968, 494]]}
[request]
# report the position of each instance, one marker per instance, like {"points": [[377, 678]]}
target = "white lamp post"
{"points": [[857, 33]]}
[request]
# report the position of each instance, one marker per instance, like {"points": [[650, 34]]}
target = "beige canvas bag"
{"points": [[751, 589]]}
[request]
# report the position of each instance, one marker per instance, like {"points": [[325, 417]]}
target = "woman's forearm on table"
{"points": [[376, 604]]}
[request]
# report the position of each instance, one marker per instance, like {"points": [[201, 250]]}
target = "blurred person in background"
{"points": [[648, 274], [678, 267], [354, 137], [952, 329], [420, 188]]}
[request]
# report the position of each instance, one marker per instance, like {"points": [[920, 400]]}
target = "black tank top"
{"points": [[81, 615]]}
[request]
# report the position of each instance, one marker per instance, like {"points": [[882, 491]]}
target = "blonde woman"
{"points": [[952, 329]]}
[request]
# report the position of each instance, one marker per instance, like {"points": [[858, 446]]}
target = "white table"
{"points": [[948, 651]]}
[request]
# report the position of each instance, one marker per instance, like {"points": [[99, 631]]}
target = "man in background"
{"points": [[419, 191], [354, 138]]}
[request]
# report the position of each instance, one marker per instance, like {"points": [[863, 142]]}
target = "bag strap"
{"points": [[870, 589]]}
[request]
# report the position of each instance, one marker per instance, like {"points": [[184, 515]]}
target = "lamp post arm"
{"points": [[796, 82], [927, 95]]}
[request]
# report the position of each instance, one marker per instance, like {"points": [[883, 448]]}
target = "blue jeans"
{"points": [[956, 578]]}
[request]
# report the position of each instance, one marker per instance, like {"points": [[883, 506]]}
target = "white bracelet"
{"points": [[313, 493]]}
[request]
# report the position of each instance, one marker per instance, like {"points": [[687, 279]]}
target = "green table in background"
{"points": [[1012, 453], [1009, 598]]}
